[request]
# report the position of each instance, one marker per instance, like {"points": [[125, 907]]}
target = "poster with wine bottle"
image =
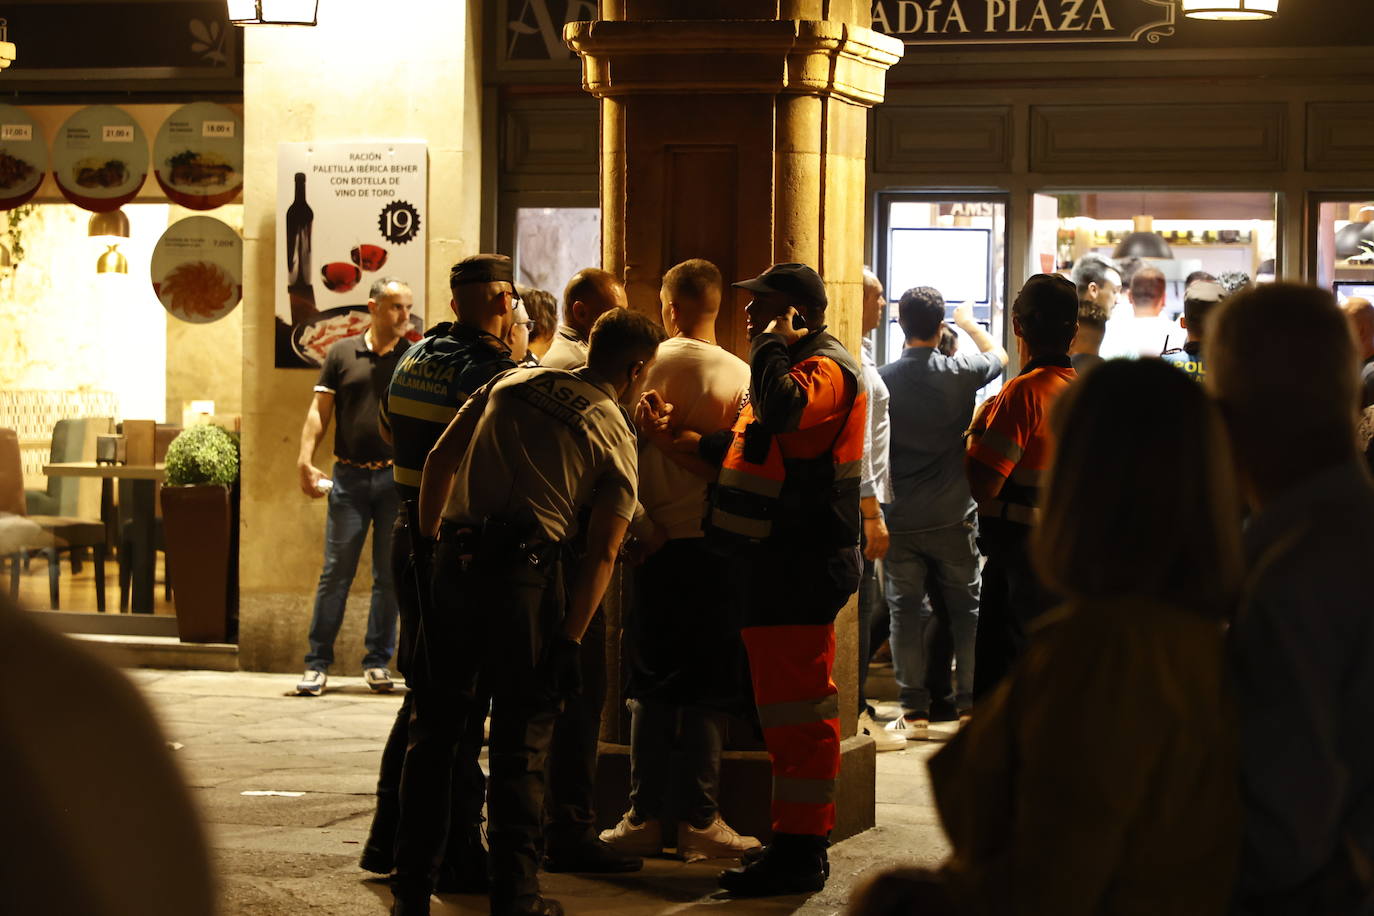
{"points": [[348, 214]]}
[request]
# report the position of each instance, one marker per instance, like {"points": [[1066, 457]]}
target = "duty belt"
{"points": [[1009, 512], [469, 542]]}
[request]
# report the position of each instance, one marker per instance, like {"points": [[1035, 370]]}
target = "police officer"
{"points": [[509, 477], [788, 496], [429, 385]]}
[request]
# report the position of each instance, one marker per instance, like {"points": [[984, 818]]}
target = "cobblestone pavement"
{"points": [[242, 732]]}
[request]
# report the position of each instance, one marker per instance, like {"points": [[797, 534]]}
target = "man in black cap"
{"points": [[1007, 458], [786, 509], [436, 795]]}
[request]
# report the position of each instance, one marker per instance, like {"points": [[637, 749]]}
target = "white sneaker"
{"points": [[912, 729], [311, 684], [378, 679], [717, 840], [645, 839], [884, 739]]}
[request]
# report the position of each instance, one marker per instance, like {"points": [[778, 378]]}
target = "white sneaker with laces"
{"points": [[378, 679], [915, 728], [311, 684], [884, 739], [717, 840], [644, 839]]}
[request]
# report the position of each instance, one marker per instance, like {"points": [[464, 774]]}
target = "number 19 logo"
{"points": [[399, 222]]}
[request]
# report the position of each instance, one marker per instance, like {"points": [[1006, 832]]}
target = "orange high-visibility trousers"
{"points": [[799, 707]]}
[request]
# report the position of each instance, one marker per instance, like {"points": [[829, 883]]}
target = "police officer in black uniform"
{"points": [[510, 476], [442, 796]]}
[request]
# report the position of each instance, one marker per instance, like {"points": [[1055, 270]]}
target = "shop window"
{"points": [[956, 244], [553, 243], [1230, 235], [1345, 247]]}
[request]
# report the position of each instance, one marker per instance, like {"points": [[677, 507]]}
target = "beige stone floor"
{"points": [[277, 855]]}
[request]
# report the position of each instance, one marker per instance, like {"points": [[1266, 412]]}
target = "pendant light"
{"points": [[7, 49], [112, 262], [114, 224], [1232, 10], [1144, 242], [273, 12]]}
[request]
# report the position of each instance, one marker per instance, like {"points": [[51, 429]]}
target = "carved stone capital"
{"points": [[795, 57]]}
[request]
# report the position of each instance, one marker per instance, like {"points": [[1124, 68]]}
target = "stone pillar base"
{"points": [[746, 788]]}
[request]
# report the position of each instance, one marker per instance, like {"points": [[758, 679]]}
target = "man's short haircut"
{"points": [[1092, 268], [920, 312], [380, 286], [543, 312], [1128, 268], [1103, 534], [1148, 286], [1047, 308], [692, 281], [1288, 414], [587, 284], [622, 336], [1198, 275]]}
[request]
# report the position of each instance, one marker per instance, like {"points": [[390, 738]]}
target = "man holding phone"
{"points": [[786, 505]]}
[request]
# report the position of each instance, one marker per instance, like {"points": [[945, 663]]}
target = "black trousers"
{"points": [[467, 790], [1012, 598], [492, 618], [571, 800]]}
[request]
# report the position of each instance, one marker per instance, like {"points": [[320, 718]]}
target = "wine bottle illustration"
{"points": [[300, 220]]}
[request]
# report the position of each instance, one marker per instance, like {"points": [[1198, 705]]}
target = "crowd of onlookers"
{"points": [[1172, 635]]}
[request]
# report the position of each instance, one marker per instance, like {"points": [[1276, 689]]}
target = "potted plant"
{"points": [[200, 521]]}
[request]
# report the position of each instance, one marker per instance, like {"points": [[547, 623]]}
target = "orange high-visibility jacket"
{"points": [[792, 469]]}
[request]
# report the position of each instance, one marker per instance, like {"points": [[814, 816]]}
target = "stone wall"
{"points": [[411, 72]]}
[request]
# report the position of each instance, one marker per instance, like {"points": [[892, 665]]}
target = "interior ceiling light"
{"points": [[112, 262], [273, 12], [7, 51], [1234, 10], [114, 224], [1144, 245]]}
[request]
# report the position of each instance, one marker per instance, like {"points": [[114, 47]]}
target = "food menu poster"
{"points": [[23, 157], [197, 269], [348, 214], [100, 158], [198, 156]]}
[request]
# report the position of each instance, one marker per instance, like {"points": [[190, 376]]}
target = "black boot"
{"points": [[791, 864], [466, 865]]}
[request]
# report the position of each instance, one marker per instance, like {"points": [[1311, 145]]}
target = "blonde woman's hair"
{"points": [[1140, 499]]}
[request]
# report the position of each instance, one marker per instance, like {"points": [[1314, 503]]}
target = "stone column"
{"points": [[735, 130]]}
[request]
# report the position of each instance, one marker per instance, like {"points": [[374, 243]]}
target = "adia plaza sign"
{"points": [[940, 22]]}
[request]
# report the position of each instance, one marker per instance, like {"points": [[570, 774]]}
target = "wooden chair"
{"points": [[65, 532]]}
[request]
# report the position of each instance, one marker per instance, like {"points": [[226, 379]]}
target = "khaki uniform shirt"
{"points": [[551, 439], [568, 351]]}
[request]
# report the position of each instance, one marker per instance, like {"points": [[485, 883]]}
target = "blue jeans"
{"points": [[943, 562], [360, 498]]}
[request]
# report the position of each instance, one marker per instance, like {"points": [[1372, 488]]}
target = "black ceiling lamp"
{"points": [[1144, 242]]}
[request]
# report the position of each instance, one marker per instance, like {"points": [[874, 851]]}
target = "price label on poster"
{"points": [[348, 215], [23, 157], [100, 158], [198, 156]]}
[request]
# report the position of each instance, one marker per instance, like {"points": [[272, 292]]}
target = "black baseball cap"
{"points": [[482, 268], [801, 284]]}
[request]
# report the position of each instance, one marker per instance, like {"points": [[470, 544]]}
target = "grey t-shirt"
{"points": [[930, 402]]}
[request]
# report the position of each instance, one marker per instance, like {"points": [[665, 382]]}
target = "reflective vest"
{"points": [[802, 482]]}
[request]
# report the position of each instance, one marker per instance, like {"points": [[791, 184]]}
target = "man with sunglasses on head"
{"points": [[443, 795]]}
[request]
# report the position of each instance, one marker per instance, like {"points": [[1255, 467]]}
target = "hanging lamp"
{"points": [[114, 224], [112, 262], [1231, 10]]}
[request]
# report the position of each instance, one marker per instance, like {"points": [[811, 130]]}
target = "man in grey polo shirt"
{"points": [[931, 520]]}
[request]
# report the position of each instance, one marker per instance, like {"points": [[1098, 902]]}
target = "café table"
{"points": [[144, 479]]}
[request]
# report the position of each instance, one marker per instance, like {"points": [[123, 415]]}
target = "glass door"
{"points": [[955, 243], [1343, 243]]}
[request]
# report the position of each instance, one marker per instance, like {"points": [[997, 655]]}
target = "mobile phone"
{"points": [[798, 322]]}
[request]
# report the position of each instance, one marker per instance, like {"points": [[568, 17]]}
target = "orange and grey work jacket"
{"points": [[793, 465]]}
